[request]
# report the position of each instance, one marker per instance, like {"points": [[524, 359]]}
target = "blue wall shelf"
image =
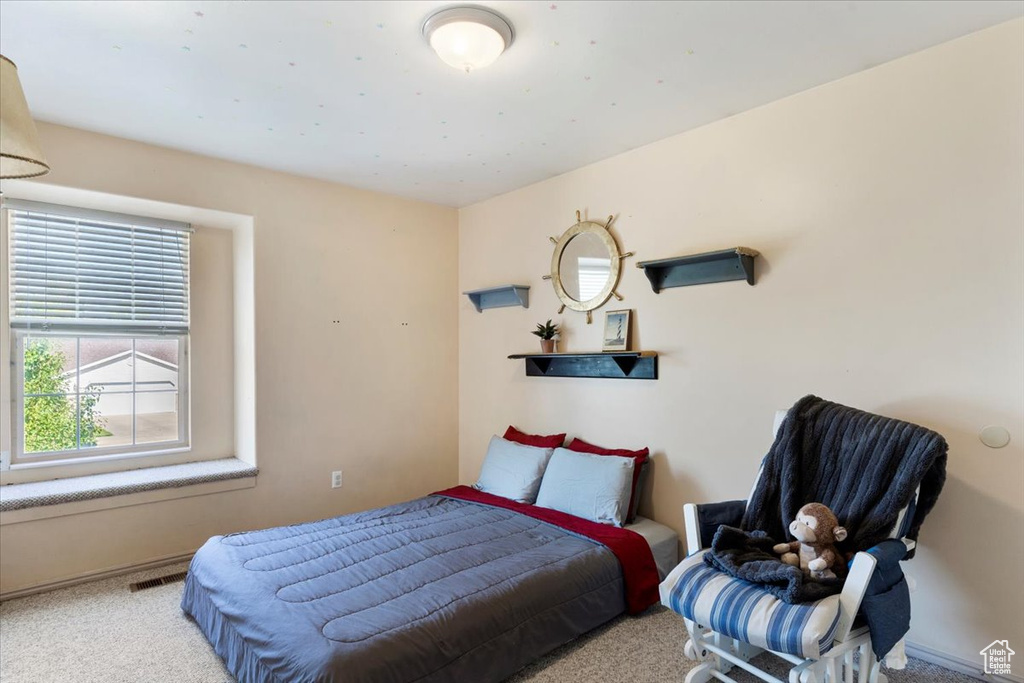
{"points": [[697, 269], [499, 297], [610, 365]]}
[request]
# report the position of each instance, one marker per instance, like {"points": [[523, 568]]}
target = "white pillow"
{"points": [[512, 470], [594, 487]]}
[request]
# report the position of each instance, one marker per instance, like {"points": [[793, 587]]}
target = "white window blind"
{"points": [[593, 275], [74, 269]]}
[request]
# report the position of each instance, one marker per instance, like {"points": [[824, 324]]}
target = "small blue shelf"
{"points": [[499, 297]]}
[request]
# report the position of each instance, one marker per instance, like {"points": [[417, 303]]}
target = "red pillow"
{"points": [[538, 440], [639, 458]]}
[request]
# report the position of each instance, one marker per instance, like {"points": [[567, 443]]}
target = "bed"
{"points": [[456, 586], [663, 541]]}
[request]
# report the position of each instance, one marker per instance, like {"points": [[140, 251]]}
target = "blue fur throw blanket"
{"points": [[749, 556], [864, 467]]}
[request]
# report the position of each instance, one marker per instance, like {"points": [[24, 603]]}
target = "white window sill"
{"points": [[55, 498], [106, 457]]}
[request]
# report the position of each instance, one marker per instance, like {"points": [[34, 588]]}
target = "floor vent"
{"points": [[158, 581]]}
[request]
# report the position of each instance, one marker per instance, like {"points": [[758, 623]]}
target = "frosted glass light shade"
{"points": [[20, 155], [468, 38], [466, 45]]}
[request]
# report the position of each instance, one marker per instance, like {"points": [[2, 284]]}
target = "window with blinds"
{"points": [[99, 318], [75, 269]]}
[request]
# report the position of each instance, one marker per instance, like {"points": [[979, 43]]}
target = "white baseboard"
{"points": [[88, 577], [964, 666]]}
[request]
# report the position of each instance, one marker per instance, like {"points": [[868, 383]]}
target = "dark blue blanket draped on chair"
{"points": [[865, 467]]}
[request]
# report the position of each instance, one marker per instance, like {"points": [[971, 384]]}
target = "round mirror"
{"points": [[585, 267]]}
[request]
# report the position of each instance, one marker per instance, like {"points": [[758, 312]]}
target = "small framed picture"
{"points": [[616, 330]]}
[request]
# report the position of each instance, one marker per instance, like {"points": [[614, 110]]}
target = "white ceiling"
{"points": [[350, 91]]}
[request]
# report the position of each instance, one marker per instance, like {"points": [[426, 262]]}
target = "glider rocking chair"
{"points": [[731, 621]]}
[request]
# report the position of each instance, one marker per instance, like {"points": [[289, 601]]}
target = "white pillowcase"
{"points": [[512, 470], [594, 487]]}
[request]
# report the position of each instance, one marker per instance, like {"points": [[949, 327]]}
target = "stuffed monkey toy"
{"points": [[816, 530]]}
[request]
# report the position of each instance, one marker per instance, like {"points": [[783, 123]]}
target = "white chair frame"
{"points": [[718, 653]]}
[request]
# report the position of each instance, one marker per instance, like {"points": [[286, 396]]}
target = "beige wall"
{"points": [[211, 343], [888, 208], [374, 395]]}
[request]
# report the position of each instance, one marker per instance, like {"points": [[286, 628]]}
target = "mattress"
{"points": [[664, 543], [435, 589]]}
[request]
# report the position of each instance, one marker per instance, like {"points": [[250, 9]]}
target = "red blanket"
{"points": [[638, 568]]}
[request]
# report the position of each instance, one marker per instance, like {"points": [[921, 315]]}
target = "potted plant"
{"points": [[546, 332]]}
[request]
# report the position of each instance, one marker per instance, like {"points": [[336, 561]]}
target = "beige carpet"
{"points": [[101, 632]]}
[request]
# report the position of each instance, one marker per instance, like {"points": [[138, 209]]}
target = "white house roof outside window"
{"points": [[107, 367]]}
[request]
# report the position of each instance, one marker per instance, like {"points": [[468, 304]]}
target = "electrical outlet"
{"points": [[336, 479]]}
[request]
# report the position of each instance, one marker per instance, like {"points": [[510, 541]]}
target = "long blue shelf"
{"points": [[609, 364]]}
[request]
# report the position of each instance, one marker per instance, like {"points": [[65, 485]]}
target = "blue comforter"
{"points": [[434, 589]]}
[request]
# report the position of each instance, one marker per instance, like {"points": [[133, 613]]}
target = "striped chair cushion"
{"points": [[743, 610]]}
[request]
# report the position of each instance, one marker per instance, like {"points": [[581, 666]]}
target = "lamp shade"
{"points": [[20, 156]]}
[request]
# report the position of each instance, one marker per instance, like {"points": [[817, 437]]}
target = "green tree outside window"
{"points": [[50, 423]]}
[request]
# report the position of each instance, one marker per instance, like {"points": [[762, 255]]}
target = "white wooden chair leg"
{"points": [[832, 671], [863, 663], [691, 649], [848, 667], [746, 651], [870, 664], [725, 643], [697, 652], [807, 672], [700, 673]]}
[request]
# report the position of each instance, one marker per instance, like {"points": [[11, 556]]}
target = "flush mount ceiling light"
{"points": [[468, 37]]}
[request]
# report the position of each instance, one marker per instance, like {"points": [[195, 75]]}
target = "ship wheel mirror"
{"points": [[586, 265]]}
